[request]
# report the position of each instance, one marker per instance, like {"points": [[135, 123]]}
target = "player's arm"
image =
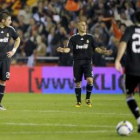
{"points": [[121, 51], [103, 50], [67, 48], [16, 45], [122, 47], [63, 50]]}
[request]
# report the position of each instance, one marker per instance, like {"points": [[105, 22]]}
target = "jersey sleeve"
{"points": [[93, 43], [14, 34], [126, 36]]}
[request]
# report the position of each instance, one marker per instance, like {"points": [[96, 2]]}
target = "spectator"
{"points": [[129, 10], [49, 38], [30, 49], [65, 59], [41, 47], [122, 17], [26, 13], [52, 20], [22, 24], [39, 11], [57, 39]]}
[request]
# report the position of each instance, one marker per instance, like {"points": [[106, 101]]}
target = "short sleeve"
{"points": [[126, 36], [93, 43], [14, 34]]}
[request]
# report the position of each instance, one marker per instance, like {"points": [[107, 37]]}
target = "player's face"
{"points": [[8, 21], [82, 27]]}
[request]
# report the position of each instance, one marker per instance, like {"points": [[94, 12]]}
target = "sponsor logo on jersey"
{"points": [[85, 46], [5, 39]]}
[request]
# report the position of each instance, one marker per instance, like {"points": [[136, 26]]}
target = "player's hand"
{"points": [[103, 50], [118, 66], [108, 52], [63, 50], [10, 54], [60, 49]]}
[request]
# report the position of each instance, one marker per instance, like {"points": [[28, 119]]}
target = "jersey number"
{"points": [[136, 43]]}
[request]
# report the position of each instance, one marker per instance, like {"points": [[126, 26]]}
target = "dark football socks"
{"points": [[88, 91], [2, 88], [133, 106], [78, 94]]}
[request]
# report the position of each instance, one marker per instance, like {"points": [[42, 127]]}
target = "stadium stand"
{"points": [[44, 25]]}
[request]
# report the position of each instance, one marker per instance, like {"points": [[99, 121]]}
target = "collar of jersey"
{"points": [[83, 35]]}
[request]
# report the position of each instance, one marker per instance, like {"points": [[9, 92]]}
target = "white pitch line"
{"points": [[62, 125], [57, 125], [72, 112], [58, 132]]}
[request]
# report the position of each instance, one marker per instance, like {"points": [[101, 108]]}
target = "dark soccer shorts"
{"points": [[80, 68], [130, 83], [4, 70]]}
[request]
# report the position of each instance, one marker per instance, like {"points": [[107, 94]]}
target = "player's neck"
{"points": [[1, 25], [82, 34]]}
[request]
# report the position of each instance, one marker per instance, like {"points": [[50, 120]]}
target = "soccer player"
{"points": [[82, 45], [6, 32], [130, 42]]}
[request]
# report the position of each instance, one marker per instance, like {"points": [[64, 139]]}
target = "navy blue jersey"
{"points": [[6, 34], [82, 46], [132, 38]]}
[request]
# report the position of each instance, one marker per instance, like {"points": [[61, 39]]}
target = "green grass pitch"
{"points": [[54, 117]]}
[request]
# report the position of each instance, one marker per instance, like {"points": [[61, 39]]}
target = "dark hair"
{"points": [[4, 14], [137, 15]]}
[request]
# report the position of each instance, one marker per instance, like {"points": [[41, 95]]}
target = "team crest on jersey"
{"points": [[87, 41], [7, 34]]}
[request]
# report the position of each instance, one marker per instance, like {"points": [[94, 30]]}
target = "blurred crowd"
{"points": [[43, 25]]}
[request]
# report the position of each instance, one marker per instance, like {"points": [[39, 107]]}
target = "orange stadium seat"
{"points": [[17, 5], [71, 5]]}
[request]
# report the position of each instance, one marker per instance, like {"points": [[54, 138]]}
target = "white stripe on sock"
{"points": [[130, 98], [137, 109], [89, 90], [138, 121]]}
